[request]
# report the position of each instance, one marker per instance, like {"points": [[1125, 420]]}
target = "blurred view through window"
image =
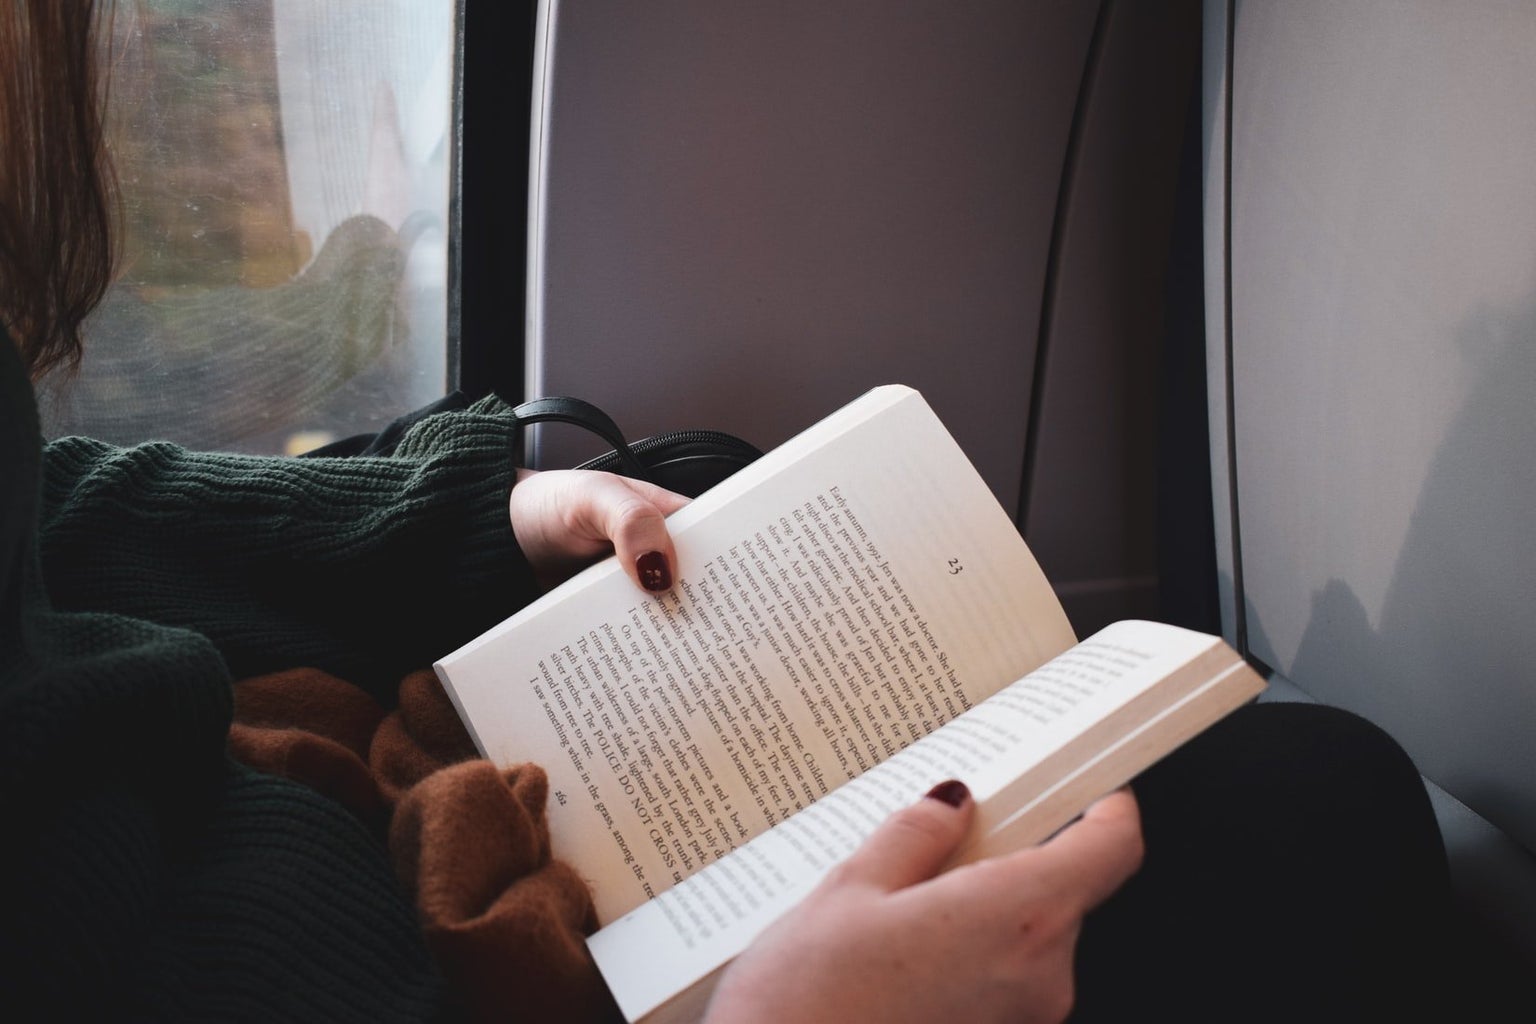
{"points": [[284, 172]]}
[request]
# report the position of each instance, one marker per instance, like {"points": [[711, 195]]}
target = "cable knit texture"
{"points": [[364, 567], [147, 874]]}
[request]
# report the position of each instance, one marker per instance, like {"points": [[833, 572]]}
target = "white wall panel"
{"points": [[1383, 256]]}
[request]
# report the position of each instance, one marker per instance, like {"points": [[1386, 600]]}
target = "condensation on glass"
{"points": [[284, 173]]}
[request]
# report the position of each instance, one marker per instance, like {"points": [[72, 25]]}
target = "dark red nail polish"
{"points": [[655, 574], [954, 792]]}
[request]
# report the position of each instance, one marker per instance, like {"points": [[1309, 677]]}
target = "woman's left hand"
{"points": [[567, 518]]}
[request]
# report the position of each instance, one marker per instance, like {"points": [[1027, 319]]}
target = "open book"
{"points": [[855, 619]]}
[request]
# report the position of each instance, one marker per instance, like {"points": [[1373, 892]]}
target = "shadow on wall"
{"points": [[1451, 670], [1456, 647]]}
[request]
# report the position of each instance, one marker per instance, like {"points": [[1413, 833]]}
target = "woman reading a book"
{"points": [[230, 791]]}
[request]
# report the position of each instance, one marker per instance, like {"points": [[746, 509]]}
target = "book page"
{"points": [[837, 600], [1016, 750]]}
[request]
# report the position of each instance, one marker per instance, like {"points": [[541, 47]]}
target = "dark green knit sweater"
{"points": [[146, 875]]}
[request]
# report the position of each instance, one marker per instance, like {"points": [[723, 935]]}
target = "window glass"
{"points": [[283, 166]]}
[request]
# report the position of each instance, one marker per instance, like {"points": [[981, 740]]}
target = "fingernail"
{"points": [[953, 792], [654, 572]]}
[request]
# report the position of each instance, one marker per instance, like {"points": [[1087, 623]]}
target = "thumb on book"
{"points": [[564, 519], [914, 844]]}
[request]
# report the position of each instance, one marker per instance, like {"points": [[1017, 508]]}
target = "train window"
{"points": [[284, 171]]}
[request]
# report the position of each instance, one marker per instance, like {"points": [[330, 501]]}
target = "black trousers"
{"points": [[1294, 872]]}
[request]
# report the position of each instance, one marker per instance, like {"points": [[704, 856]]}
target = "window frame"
{"points": [[488, 196]]}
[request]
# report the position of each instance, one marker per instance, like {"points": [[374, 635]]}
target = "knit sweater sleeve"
{"points": [[367, 567]]}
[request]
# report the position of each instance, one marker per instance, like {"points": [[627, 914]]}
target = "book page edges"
{"points": [[458, 707], [1224, 682], [688, 1005]]}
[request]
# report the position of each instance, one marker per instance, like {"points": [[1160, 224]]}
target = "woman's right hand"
{"points": [[565, 519], [886, 938]]}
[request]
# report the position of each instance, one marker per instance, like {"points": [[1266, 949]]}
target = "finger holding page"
{"points": [[913, 844], [1056, 883], [1095, 855], [878, 941], [566, 519]]}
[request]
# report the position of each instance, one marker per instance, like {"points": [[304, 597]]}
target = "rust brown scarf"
{"points": [[469, 842]]}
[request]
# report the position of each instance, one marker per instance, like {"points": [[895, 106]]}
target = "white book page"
{"points": [[661, 948], [835, 601]]}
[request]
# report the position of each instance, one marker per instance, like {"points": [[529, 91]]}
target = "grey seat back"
{"points": [[1371, 311]]}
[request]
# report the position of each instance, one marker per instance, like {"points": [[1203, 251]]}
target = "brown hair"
{"points": [[58, 200]]}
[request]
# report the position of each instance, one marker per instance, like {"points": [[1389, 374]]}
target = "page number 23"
{"points": [[955, 568]]}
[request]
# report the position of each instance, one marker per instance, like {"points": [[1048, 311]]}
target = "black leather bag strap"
{"points": [[584, 414]]}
